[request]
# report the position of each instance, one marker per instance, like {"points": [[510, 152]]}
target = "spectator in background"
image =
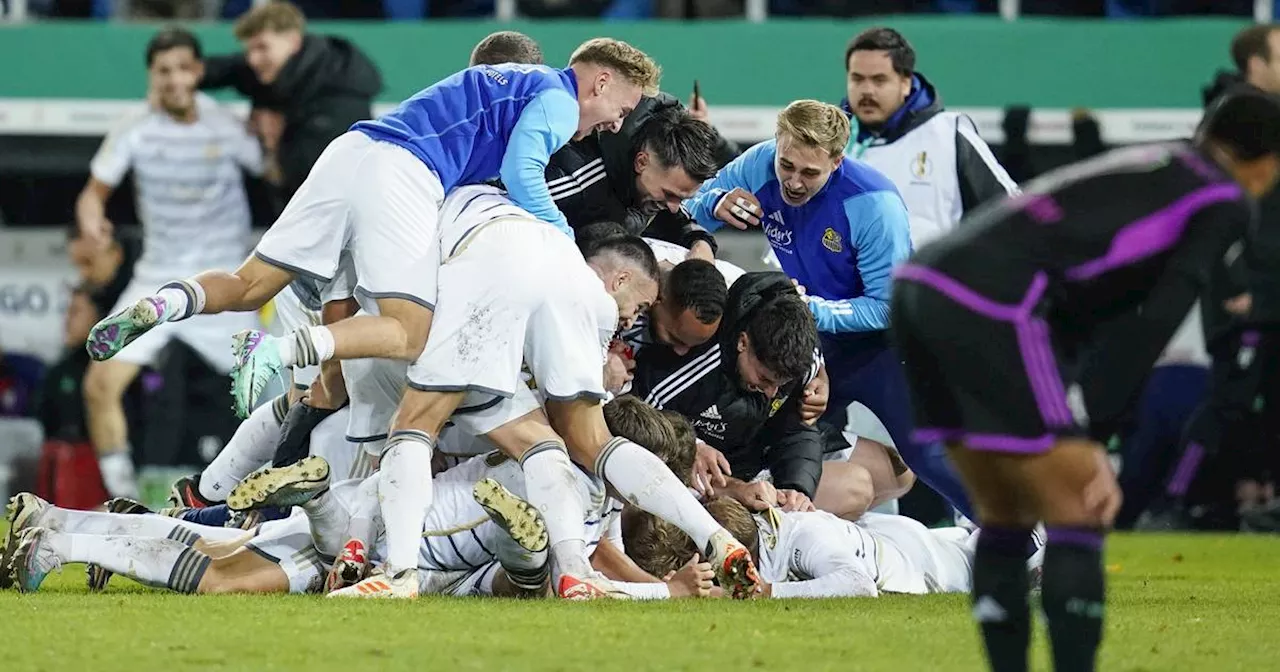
{"points": [[939, 163], [105, 267], [1241, 317], [188, 157], [305, 89], [60, 406]]}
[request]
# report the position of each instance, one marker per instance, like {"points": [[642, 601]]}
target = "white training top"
{"points": [[189, 186]]}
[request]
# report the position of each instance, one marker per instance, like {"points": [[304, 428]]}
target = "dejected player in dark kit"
{"points": [[1091, 269]]}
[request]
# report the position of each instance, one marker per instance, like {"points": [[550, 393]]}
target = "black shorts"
{"points": [[981, 373]]}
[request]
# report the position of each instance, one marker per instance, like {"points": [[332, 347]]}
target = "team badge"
{"points": [[921, 166], [831, 240], [777, 404]]}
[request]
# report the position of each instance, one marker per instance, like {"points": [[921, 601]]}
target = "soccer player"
{"points": [[187, 157], [838, 227], [815, 554], [375, 193], [992, 320], [506, 46], [550, 309]]}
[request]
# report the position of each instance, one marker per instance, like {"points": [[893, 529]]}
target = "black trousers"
{"points": [[1234, 433]]}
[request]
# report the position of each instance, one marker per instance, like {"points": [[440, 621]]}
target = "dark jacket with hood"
{"points": [[978, 175], [752, 431], [1256, 269], [594, 180], [322, 90]]}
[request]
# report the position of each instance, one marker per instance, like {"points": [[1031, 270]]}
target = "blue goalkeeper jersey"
{"points": [[841, 245], [486, 122]]}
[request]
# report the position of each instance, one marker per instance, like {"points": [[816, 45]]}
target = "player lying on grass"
{"points": [[815, 554], [458, 552], [624, 417]]}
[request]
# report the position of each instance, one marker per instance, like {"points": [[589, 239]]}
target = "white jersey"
{"points": [[815, 554], [468, 207], [674, 254], [189, 187]]}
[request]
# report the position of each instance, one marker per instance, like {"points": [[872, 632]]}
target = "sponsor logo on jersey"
{"points": [[778, 236], [712, 428], [832, 241], [495, 76], [712, 413]]}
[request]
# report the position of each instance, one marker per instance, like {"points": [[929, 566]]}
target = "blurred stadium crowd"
{"points": [[411, 10]]}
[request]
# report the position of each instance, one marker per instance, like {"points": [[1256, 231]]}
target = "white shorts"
{"points": [[481, 413], [292, 315], [288, 543], [374, 387], [209, 335], [373, 198], [515, 291]]}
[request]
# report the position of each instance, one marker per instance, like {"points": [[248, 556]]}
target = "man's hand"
{"points": [[1239, 305], [756, 496], [794, 500], [814, 403], [701, 249], [710, 470], [99, 230], [329, 390], [1102, 495], [694, 579], [268, 125], [739, 209], [698, 106], [617, 372]]}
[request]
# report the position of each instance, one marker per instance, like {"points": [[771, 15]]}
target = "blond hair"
{"points": [[277, 17], [633, 65], [816, 124]]}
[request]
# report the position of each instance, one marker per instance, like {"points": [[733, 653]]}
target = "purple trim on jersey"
{"points": [[1074, 536], [1154, 233], [1034, 341], [1250, 338], [1004, 443], [1043, 208], [1186, 470]]}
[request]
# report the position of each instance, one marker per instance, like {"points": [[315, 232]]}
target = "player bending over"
{"points": [[990, 321]]}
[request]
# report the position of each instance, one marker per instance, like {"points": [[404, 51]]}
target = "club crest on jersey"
{"points": [[777, 404], [921, 166], [832, 241]]}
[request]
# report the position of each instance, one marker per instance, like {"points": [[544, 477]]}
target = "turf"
{"points": [[1176, 603]]}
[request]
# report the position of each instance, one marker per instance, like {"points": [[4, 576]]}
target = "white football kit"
{"points": [[194, 213], [374, 200], [815, 554], [513, 290]]}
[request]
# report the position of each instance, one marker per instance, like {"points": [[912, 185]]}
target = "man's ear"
{"points": [[743, 342]]}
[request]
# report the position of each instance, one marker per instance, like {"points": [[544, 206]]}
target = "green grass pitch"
{"points": [[1176, 602]]}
